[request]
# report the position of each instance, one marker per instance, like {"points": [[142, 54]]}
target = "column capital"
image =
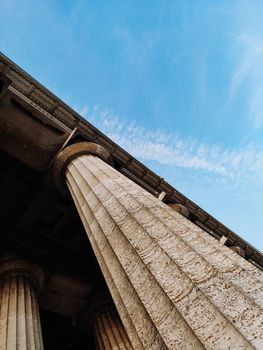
{"points": [[99, 304], [11, 265], [71, 152]]}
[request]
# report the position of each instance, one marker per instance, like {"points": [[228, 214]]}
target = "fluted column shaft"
{"points": [[20, 327], [109, 332], [175, 286]]}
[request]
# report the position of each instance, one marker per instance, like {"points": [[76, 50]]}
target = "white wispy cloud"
{"points": [[243, 164], [248, 74], [84, 111]]}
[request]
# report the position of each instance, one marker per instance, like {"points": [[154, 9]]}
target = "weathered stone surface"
{"points": [[175, 286], [20, 327], [109, 332]]}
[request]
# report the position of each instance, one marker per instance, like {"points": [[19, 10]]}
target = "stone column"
{"points": [[174, 286], [20, 327], [109, 332], [103, 321]]}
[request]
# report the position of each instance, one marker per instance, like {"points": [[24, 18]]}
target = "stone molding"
{"points": [[4, 83], [71, 152], [238, 250], [13, 266], [180, 209], [100, 303]]}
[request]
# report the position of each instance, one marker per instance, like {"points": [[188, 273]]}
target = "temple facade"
{"points": [[98, 252]]}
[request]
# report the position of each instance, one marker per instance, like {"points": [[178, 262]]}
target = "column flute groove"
{"points": [[19, 315], [145, 335], [213, 272], [170, 310], [192, 292], [109, 332], [121, 306], [171, 326], [235, 268], [101, 317]]}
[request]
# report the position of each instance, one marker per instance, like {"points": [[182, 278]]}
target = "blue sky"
{"points": [[179, 84]]}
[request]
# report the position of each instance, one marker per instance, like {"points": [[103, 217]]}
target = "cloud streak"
{"points": [[248, 74], [243, 165]]}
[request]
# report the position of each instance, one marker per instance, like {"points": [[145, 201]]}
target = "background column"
{"points": [[20, 327], [107, 328], [101, 318], [109, 332]]}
